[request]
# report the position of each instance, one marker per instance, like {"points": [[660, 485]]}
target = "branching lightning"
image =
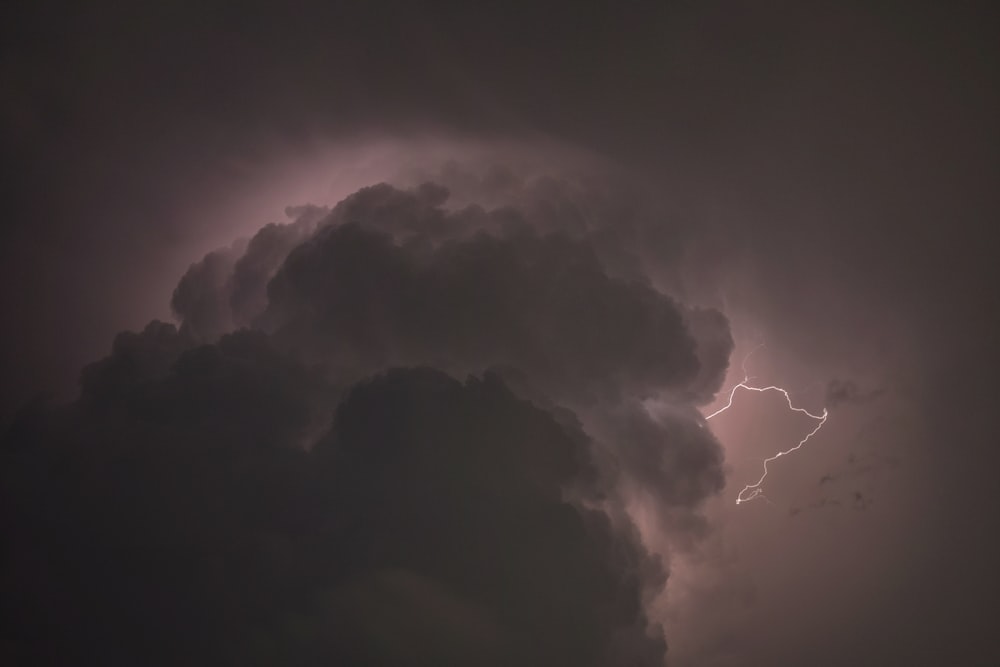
{"points": [[755, 490]]}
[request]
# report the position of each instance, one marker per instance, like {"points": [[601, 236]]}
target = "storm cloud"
{"points": [[389, 432], [819, 177], [178, 525]]}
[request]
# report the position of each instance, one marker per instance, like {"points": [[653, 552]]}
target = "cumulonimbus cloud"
{"points": [[301, 472]]}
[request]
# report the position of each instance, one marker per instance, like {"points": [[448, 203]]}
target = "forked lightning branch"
{"points": [[756, 490]]}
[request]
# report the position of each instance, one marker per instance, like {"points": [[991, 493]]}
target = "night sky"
{"points": [[384, 333]]}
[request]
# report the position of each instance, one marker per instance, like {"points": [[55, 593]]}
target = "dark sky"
{"points": [[255, 484]]}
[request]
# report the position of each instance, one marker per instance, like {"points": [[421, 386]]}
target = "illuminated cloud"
{"points": [[388, 429], [824, 174]]}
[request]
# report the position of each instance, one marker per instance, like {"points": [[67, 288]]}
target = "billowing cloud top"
{"points": [[392, 432]]}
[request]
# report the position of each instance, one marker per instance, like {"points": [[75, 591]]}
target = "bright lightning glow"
{"points": [[755, 490]]}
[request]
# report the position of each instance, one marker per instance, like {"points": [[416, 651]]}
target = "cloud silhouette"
{"points": [[294, 475]]}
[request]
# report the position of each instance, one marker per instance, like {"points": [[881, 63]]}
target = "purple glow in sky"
{"points": [[755, 490], [381, 334]]}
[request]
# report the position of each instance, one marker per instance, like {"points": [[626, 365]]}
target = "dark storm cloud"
{"points": [[201, 298], [264, 255], [668, 462], [541, 304], [196, 504], [396, 277], [392, 277], [167, 517], [226, 289], [848, 151]]}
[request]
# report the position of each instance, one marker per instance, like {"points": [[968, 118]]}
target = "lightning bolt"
{"points": [[755, 490]]}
